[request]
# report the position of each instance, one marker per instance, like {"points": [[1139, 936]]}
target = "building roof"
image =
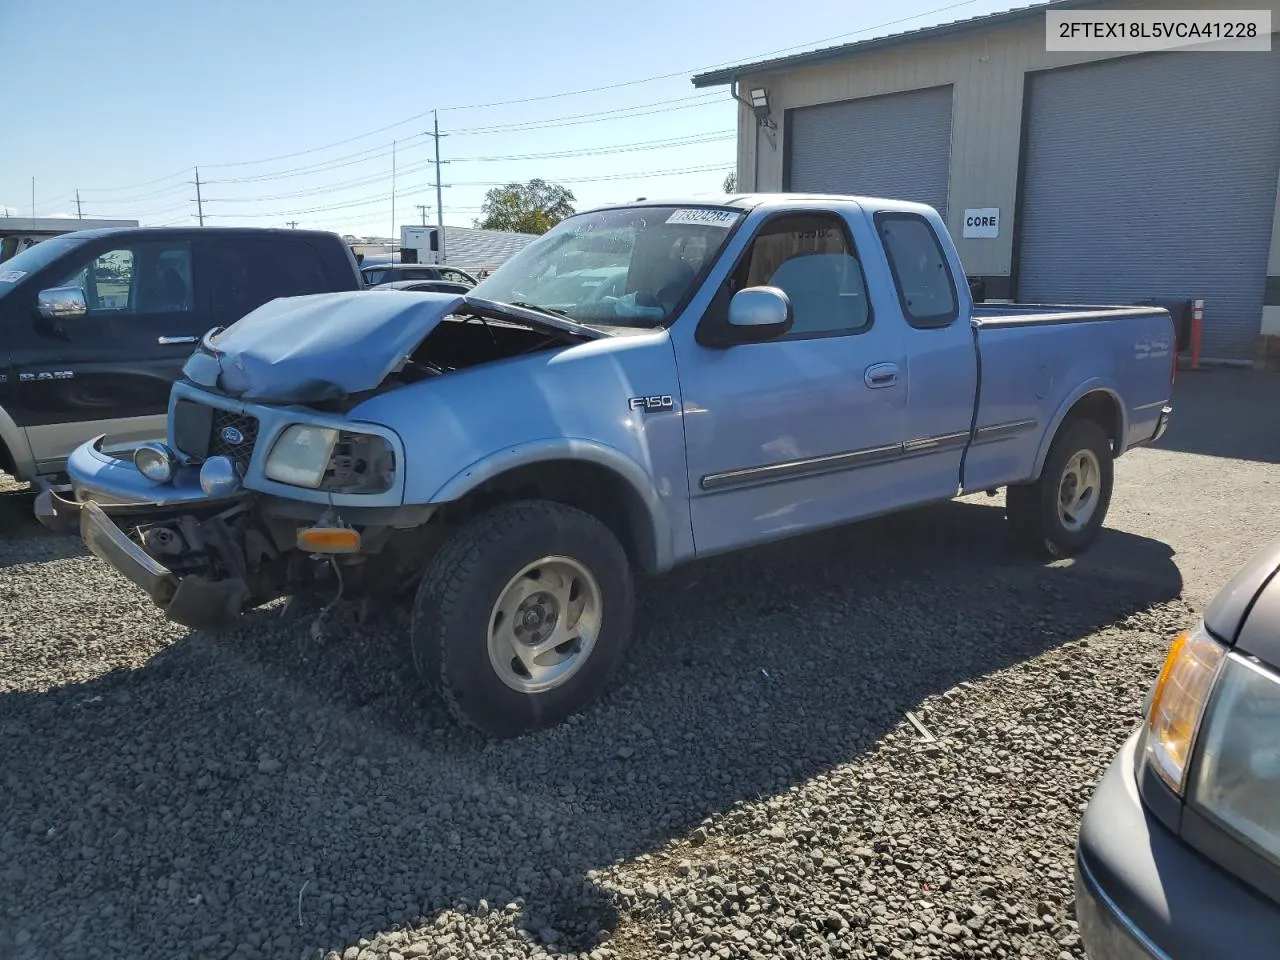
{"points": [[715, 78]]}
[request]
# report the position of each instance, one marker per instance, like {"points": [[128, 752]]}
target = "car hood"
{"points": [[1226, 612], [328, 346]]}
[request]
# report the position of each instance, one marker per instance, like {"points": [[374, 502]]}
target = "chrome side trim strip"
{"points": [[794, 469], [1151, 406], [836, 462], [943, 441], [1003, 431]]}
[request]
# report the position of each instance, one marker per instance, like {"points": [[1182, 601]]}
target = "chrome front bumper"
{"points": [[117, 487]]}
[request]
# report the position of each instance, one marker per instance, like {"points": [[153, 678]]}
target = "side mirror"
{"points": [[757, 314], [62, 303]]}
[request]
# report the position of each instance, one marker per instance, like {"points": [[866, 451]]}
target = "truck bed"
{"points": [[1037, 360]]}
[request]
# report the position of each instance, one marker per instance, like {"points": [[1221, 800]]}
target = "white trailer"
{"points": [[19, 233], [468, 248]]}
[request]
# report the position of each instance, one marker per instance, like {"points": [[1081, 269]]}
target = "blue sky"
{"points": [[123, 99]]}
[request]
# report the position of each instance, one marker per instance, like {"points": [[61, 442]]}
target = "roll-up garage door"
{"points": [[1154, 176], [897, 146]]}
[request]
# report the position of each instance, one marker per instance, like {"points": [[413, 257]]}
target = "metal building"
{"points": [[1065, 177]]}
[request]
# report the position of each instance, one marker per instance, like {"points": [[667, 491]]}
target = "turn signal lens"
{"points": [[1177, 703], [329, 540]]}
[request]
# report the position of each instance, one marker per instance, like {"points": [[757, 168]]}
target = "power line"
{"points": [[383, 150], [382, 197], [713, 66], [703, 100], [137, 186], [718, 136], [372, 153]]}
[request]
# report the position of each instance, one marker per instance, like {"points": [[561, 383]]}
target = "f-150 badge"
{"points": [[652, 404]]}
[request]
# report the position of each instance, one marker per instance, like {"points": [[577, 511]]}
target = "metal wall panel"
{"points": [[896, 146], [1154, 176]]}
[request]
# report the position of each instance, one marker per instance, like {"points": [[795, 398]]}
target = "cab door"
{"points": [[109, 370], [805, 430]]}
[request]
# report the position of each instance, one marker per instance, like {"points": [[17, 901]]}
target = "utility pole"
{"points": [[199, 201], [393, 191], [79, 215], [435, 118], [293, 224], [423, 207]]}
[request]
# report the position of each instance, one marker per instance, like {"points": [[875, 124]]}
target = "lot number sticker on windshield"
{"points": [[11, 276], [709, 218]]}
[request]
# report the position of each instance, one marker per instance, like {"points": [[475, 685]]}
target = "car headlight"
{"points": [[1236, 777], [1176, 704], [339, 461]]}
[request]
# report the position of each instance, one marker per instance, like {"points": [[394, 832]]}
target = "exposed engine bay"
{"points": [[462, 341]]}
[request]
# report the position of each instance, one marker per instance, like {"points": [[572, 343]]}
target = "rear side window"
{"points": [[250, 272], [926, 288]]}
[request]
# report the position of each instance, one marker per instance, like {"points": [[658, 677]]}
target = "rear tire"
{"points": [[523, 616], [1060, 514]]}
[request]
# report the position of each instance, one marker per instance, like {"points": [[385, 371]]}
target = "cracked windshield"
{"points": [[663, 481]]}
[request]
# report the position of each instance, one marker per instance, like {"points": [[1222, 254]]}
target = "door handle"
{"points": [[165, 341], [881, 375]]}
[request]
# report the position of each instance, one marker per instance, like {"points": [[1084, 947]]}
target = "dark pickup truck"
{"points": [[96, 325]]}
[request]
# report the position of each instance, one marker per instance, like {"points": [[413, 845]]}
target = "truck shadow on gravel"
{"points": [[267, 794]]}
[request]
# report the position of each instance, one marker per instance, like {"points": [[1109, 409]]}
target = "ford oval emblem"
{"points": [[232, 436]]}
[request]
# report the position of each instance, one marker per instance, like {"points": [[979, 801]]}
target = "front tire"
{"points": [[1060, 514], [523, 616]]}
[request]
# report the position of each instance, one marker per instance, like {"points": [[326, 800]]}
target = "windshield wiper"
{"points": [[533, 306]]}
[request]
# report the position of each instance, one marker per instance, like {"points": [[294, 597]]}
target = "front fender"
{"points": [[659, 555], [1093, 385]]}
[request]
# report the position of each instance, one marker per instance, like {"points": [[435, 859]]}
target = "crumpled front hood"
{"points": [[318, 347]]}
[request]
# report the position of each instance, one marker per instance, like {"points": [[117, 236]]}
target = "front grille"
{"points": [[233, 435], [201, 431]]}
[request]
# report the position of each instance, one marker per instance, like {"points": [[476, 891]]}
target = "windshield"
{"points": [[34, 258], [625, 267]]}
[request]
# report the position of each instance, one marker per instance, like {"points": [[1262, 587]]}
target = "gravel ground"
{"points": [[750, 788]]}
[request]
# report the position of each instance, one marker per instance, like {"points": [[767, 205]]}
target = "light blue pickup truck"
{"points": [[770, 365]]}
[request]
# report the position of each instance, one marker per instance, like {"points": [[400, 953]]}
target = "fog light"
{"points": [[155, 461], [219, 477]]}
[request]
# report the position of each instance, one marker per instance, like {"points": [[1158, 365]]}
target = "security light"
{"points": [[760, 98]]}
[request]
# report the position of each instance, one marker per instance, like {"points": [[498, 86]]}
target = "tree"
{"points": [[731, 183], [533, 207]]}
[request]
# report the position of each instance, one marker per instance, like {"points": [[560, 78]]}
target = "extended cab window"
{"points": [[926, 288], [250, 272], [148, 277], [810, 257]]}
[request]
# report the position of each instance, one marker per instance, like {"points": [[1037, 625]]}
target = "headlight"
{"points": [[339, 461], [1177, 701], [1236, 777], [301, 455]]}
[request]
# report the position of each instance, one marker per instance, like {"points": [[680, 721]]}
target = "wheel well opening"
{"points": [[7, 463], [1102, 409], [588, 486]]}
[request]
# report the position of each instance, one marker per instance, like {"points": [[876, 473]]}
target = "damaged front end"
{"points": [[208, 561], [269, 482]]}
